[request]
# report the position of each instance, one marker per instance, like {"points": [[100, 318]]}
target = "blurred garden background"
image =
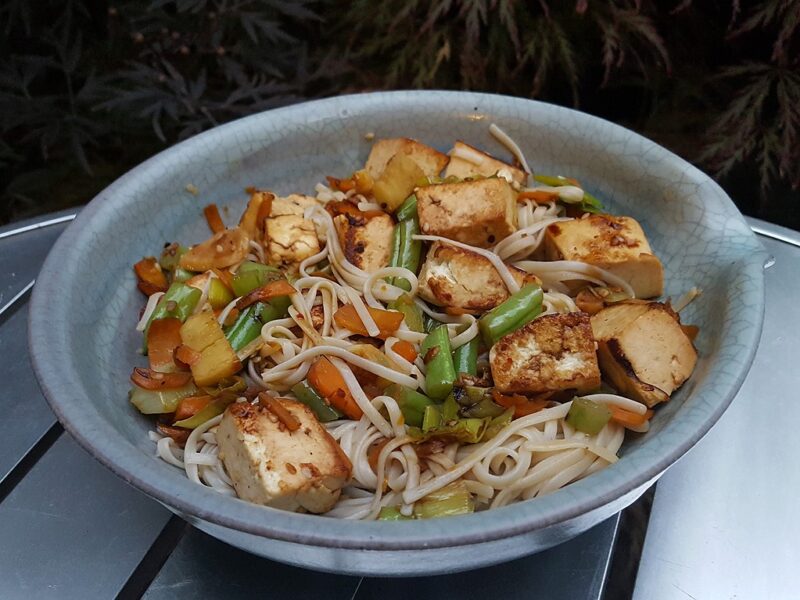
{"points": [[90, 88]]}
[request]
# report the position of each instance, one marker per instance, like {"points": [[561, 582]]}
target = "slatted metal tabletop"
{"points": [[71, 529]]}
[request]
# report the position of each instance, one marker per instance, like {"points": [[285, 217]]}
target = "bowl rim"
{"points": [[64, 391]]}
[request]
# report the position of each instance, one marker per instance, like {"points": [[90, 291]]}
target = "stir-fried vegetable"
{"points": [[153, 402], [628, 418], [407, 210], [203, 334], [329, 383], [191, 405], [518, 310], [465, 357], [411, 312], [451, 500], [440, 374], [212, 409], [406, 251], [213, 219], [251, 276], [151, 278], [223, 249], [405, 349], [398, 180], [219, 296], [521, 405], [588, 416], [248, 324], [178, 302], [412, 404], [308, 396], [387, 320], [163, 337], [274, 289]]}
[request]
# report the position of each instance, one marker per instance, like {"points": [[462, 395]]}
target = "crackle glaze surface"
{"points": [[85, 304]]}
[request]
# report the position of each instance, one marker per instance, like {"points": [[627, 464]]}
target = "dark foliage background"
{"points": [[89, 88]]}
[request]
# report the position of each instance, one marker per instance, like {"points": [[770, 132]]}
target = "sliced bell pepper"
{"points": [[326, 379], [387, 320]]}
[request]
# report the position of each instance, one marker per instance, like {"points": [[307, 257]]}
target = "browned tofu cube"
{"points": [[290, 238], [643, 351], [479, 213], [616, 244], [466, 161], [459, 278], [430, 160], [302, 470], [551, 353], [366, 240]]}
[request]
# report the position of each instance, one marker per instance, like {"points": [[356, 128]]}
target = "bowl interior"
{"points": [[85, 344]]}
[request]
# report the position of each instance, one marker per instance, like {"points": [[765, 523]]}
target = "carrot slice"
{"points": [[153, 380], [406, 350], [374, 452], [163, 337], [628, 418], [522, 405], [343, 207], [150, 278], [538, 196], [343, 185], [279, 410], [329, 383], [273, 289], [187, 355], [387, 320], [264, 211], [215, 223], [178, 435], [190, 406]]}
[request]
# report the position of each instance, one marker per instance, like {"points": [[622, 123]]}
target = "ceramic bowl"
{"points": [[85, 306]]}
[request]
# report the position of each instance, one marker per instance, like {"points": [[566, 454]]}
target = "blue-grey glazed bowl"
{"points": [[85, 306]]}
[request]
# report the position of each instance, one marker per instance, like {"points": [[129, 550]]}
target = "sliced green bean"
{"points": [[517, 311], [440, 375], [465, 358]]}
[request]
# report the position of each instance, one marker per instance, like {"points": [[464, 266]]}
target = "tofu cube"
{"points": [[366, 240], [459, 278], [290, 238], [303, 470], [479, 213], [466, 161], [643, 351], [430, 160], [551, 353], [616, 244]]}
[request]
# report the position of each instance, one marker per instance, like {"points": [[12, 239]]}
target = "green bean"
{"points": [[412, 404], [250, 321], [431, 418], [440, 375], [408, 209], [408, 250], [308, 396], [517, 311], [465, 358]]}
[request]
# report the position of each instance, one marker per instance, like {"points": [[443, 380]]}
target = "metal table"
{"points": [[720, 523]]}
